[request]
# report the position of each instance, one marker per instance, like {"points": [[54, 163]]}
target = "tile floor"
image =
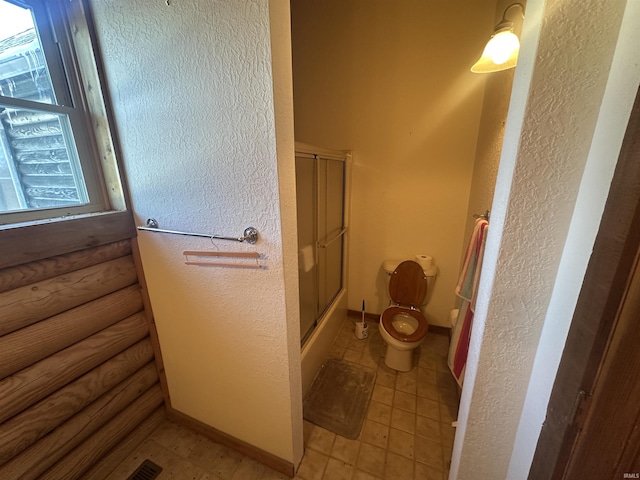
{"points": [[186, 455], [407, 432]]}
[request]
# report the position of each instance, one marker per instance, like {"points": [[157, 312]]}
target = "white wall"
{"points": [[495, 105], [280, 27], [391, 82], [559, 89], [619, 95], [191, 85]]}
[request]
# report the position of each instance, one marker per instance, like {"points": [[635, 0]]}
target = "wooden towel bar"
{"points": [[197, 253]]}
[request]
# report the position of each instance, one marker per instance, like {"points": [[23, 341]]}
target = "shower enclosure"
{"points": [[321, 187]]}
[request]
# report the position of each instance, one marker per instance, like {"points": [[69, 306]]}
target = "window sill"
{"points": [[27, 242]]}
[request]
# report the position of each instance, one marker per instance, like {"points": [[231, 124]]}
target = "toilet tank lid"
{"points": [[390, 266]]}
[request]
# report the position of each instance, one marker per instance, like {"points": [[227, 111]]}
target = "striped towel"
{"points": [[467, 289]]}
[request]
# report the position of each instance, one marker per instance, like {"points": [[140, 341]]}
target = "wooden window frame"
{"points": [[76, 67]]}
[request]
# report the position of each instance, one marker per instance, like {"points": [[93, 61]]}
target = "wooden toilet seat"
{"points": [[387, 319], [407, 286]]}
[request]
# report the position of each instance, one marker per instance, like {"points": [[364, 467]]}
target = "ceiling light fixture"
{"points": [[501, 52]]}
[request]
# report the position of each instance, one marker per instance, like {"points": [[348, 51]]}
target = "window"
{"points": [[48, 160]]}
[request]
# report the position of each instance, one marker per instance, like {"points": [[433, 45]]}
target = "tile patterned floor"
{"points": [[407, 432], [186, 455]]}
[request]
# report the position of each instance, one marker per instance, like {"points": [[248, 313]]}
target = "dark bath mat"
{"points": [[339, 397]]}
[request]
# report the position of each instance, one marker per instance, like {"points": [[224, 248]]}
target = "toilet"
{"points": [[402, 325]]}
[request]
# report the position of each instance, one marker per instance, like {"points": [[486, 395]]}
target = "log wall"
{"points": [[81, 375]]}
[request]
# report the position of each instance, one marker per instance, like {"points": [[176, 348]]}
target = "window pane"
{"points": [[23, 69], [39, 166]]}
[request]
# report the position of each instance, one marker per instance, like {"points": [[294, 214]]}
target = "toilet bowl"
{"points": [[403, 327]]}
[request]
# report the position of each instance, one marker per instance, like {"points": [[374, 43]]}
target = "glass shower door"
{"points": [[320, 185], [330, 230], [307, 245]]}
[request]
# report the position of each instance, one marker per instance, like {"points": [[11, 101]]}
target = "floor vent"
{"points": [[146, 471]]}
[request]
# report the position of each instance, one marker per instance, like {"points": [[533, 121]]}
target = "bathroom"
{"points": [[230, 338], [423, 131], [374, 80]]}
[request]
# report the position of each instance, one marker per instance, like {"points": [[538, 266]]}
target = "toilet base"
{"points": [[400, 360]]}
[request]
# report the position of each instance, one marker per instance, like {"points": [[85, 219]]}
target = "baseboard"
{"points": [[358, 314], [266, 458], [438, 330]]}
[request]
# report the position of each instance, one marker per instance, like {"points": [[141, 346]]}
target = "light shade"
{"points": [[501, 53]]}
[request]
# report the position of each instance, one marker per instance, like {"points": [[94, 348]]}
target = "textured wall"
{"points": [[191, 84], [280, 27], [620, 93], [495, 104], [391, 82], [555, 106]]}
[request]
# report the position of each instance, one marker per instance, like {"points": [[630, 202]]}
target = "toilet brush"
{"points": [[362, 331]]}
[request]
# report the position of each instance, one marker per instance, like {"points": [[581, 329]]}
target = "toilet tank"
{"points": [[389, 266]]}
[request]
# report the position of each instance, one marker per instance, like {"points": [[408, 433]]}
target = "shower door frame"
{"points": [[316, 154]]}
